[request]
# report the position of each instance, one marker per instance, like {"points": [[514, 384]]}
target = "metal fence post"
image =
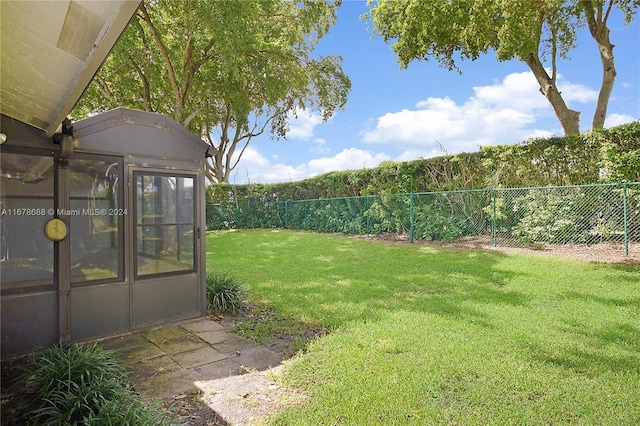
{"points": [[626, 221], [366, 204], [286, 204], [411, 218], [495, 219]]}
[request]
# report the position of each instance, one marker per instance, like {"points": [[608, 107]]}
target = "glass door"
{"points": [[165, 224], [166, 272]]}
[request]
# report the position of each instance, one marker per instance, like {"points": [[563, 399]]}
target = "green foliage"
{"points": [[609, 155], [82, 385], [432, 225], [131, 411], [217, 67], [342, 215], [221, 216], [568, 160], [72, 382], [619, 152], [516, 217], [587, 215], [224, 292], [389, 213], [534, 32], [443, 217], [549, 216]]}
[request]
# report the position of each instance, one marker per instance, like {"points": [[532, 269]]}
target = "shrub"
{"points": [[549, 217], [389, 213], [437, 223], [82, 385], [224, 292]]}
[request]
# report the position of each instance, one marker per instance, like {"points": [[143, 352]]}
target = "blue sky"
{"points": [[426, 110]]}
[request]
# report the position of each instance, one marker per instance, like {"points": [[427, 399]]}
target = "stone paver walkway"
{"points": [[167, 361]]}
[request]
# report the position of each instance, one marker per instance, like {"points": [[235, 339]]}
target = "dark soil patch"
{"points": [[14, 406], [286, 335]]}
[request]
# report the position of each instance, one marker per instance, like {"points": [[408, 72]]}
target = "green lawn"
{"points": [[440, 336]]}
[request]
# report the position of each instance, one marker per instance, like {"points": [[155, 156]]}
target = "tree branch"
{"points": [[191, 116], [597, 23], [165, 55], [146, 95], [104, 88], [247, 136], [569, 119]]}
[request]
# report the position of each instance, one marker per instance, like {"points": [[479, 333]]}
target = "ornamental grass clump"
{"points": [[68, 385], [224, 293]]}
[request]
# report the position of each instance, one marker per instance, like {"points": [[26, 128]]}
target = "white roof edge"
{"points": [[100, 53]]}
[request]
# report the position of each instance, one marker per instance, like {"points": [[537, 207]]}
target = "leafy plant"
{"points": [[224, 292], [609, 155], [82, 385], [389, 213], [438, 223], [549, 217]]}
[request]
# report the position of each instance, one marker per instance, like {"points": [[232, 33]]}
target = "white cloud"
{"points": [[618, 119], [347, 159], [252, 156], [576, 92], [515, 90], [303, 126], [254, 167], [320, 146], [501, 113]]}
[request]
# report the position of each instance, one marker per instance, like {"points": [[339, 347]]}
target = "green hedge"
{"points": [[608, 155]]}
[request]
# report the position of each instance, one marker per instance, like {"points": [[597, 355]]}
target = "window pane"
{"points": [[96, 200], [166, 248], [26, 203], [185, 200], [185, 241], [157, 199], [165, 223]]}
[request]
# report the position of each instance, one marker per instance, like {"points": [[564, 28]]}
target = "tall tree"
{"points": [[537, 32], [229, 68]]}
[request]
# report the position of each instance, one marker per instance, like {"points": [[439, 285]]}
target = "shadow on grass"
{"points": [[607, 301], [343, 286], [588, 350], [585, 361]]}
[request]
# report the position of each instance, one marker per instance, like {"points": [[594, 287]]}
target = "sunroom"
{"points": [[102, 225]]}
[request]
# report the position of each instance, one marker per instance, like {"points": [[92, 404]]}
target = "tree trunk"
{"points": [[597, 23], [569, 119]]}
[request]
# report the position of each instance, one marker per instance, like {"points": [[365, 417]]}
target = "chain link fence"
{"points": [[602, 219]]}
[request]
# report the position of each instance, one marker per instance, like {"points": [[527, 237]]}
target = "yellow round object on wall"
{"points": [[55, 229]]}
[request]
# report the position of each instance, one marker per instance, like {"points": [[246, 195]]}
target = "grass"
{"points": [[422, 335]]}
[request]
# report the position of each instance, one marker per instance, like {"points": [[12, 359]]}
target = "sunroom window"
{"points": [[96, 218], [165, 224]]}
